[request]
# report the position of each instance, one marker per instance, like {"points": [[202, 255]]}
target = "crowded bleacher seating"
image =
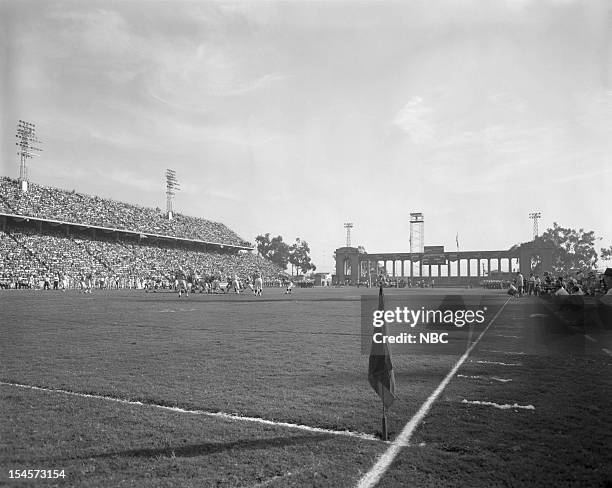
{"points": [[69, 206], [49, 239], [31, 257]]}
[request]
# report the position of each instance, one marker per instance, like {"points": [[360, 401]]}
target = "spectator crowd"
{"points": [[36, 254], [577, 283], [33, 259], [69, 206]]}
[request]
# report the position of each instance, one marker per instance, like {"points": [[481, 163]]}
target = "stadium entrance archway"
{"points": [[448, 268]]}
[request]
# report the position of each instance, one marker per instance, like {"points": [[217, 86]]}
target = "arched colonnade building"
{"points": [[446, 268]]}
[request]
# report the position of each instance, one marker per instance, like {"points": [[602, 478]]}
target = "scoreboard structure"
{"points": [[434, 255]]}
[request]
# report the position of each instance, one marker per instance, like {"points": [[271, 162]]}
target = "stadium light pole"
{"points": [[172, 186], [535, 216], [348, 226], [26, 135]]}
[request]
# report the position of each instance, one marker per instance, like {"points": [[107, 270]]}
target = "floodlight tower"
{"points": [[171, 187], [535, 216], [417, 232], [26, 135], [348, 226]]}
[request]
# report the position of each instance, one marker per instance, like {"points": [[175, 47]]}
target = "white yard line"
{"points": [[497, 362], [372, 477], [497, 405], [516, 353], [222, 415], [493, 378]]}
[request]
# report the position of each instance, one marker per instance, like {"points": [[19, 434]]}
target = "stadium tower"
{"points": [[348, 226], [171, 187], [417, 232], [26, 135]]}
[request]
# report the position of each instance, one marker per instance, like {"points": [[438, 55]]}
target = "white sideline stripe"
{"points": [[497, 405], [497, 362], [372, 477], [179, 310], [508, 336], [494, 378], [226, 416]]}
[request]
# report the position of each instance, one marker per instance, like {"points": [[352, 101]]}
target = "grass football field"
{"points": [[125, 388]]}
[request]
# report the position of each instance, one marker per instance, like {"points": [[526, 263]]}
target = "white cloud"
{"points": [[415, 118]]}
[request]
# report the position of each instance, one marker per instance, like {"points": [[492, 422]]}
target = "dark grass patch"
{"points": [[565, 441]]}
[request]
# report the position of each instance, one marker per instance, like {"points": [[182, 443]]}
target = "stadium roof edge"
{"points": [[125, 231]]}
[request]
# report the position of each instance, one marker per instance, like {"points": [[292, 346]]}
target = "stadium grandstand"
{"points": [[49, 233]]}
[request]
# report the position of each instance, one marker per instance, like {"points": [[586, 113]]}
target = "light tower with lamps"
{"points": [[171, 187], [26, 135], [348, 226], [535, 216]]}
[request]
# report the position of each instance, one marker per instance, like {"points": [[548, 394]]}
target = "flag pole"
{"points": [[385, 437]]}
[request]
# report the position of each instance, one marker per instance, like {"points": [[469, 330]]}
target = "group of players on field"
{"points": [[186, 283]]}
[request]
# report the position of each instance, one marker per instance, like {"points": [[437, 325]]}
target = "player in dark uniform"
{"points": [[190, 283], [88, 282]]}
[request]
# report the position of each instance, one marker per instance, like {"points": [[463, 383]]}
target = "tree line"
{"points": [[279, 252], [573, 249]]}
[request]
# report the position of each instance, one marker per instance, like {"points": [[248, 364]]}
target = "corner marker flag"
{"points": [[380, 369]]}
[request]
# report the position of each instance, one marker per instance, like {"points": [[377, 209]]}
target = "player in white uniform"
{"points": [[233, 283], [181, 283], [66, 282], [289, 288], [258, 284]]}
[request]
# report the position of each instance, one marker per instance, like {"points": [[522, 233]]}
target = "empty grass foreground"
{"points": [[288, 359]]}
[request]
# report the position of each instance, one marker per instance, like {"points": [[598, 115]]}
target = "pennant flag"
{"points": [[457, 240], [380, 368]]}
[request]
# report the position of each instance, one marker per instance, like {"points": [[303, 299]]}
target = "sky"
{"points": [[295, 117]]}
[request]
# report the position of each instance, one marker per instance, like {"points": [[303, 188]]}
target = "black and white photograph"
{"points": [[306, 243]]}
